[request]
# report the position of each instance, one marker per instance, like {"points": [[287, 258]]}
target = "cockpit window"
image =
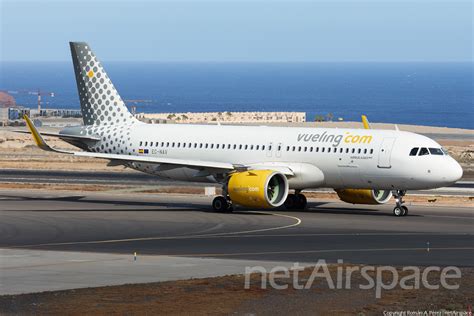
{"points": [[436, 151], [414, 151], [423, 151], [445, 151]]}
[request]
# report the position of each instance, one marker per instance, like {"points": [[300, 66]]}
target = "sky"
{"points": [[239, 31]]}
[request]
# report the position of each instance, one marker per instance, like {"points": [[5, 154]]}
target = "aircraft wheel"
{"points": [[290, 202], [301, 201], [398, 211], [405, 210], [220, 204]]}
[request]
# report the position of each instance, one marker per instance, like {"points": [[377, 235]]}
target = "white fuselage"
{"points": [[319, 157]]}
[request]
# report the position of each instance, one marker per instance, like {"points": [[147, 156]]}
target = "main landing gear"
{"points": [[399, 209], [221, 204], [296, 201]]}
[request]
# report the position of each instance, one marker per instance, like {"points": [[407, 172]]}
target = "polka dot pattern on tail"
{"points": [[96, 90]]}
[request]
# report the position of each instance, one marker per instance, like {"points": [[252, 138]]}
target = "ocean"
{"points": [[436, 94]]}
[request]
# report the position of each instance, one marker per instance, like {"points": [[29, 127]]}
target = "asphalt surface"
{"points": [[142, 179], [184, 225]]}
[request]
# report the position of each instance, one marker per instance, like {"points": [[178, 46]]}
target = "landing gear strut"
{"points": [[296, 201], [399, 209], [222, 203]]}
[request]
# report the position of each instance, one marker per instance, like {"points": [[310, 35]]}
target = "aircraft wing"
{"points": [[128, 158], [64, 136], [162, 162], [158, 160]]}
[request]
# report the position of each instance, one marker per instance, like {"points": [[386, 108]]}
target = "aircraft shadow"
{"points": [[315, 207]]}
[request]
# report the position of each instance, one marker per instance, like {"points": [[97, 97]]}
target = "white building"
{"points": [[234, 117]]}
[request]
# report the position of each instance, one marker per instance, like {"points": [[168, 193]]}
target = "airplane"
{"points": [[257, 166]]}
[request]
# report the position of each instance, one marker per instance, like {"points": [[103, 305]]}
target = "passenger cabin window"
{"points": [[423, 151], [414, 151], [436, 151]]}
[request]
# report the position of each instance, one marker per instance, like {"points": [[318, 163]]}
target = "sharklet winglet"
{"points": [[39, 139], [365, 122]]}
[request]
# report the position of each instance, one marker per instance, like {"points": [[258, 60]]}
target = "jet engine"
{"points": [[258, 188], [364, 196]]}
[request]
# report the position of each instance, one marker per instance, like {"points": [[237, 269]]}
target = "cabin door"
{"points": [[385, 152]]}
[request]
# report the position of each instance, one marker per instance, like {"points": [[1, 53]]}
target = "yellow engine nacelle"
{"points": [[258, 188], [364, 196]]}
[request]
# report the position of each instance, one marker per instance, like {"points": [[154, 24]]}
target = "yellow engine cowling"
{"points": [[364, 196], [258, 188]]}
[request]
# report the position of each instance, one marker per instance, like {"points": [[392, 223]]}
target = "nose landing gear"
{"points": [[399, 209]]}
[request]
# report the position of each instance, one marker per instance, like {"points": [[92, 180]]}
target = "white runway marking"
{"points": [[296, 223], [322, 251]]}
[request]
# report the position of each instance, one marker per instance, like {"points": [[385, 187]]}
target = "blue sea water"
{"points": [[437, 94]]}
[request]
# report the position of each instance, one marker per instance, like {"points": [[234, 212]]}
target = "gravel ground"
{"points": [[228, 295]]}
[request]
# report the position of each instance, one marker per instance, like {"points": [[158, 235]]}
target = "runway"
{"points": [[184, 225], [144, 180]]}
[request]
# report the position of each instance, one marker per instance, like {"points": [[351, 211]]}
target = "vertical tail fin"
{"points": [[100, 102]]}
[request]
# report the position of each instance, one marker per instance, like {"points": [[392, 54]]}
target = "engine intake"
{"points": [[364, 196], [258, 188]]}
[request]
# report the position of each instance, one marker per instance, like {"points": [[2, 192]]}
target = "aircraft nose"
{"points": [[453, 173]]}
